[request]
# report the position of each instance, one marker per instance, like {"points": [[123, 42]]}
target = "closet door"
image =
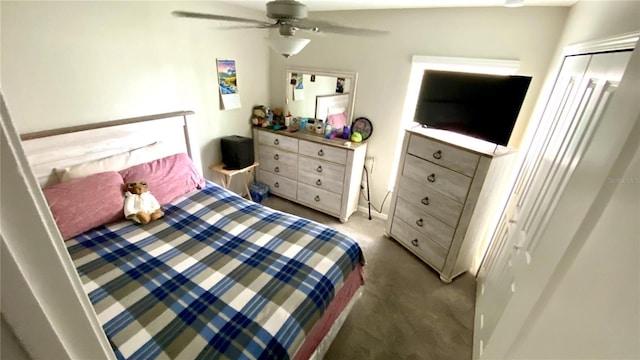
{"points": [[580, 97]]}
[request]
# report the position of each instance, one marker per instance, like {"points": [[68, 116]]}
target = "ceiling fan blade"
{"points": [[328, 27], [195, 15], [257, 26]]}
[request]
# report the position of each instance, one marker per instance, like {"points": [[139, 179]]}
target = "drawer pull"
{"points": [[431, 178], [414, 242], [276, 157], [319, 168], [320, 153], [277, 184], [437, 155], [276, 142], [318, 182], [419, 222], [425, 201], [277, 169], [317, 198]]}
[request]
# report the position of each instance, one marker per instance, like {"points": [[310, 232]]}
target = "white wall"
{"points": [[70, 63], [10, 347], [529, 34]]}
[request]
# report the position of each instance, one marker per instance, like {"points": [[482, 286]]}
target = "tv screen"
{"points": [[478, 105]]}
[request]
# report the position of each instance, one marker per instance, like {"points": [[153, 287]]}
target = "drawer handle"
{"points": [[277, 169], [276, 157], [276, 142], [317, 198], [419, 222], [432, 178], [318, 182], [425, 201], [319, 168], [414, 242], [277, 184], [320, 153], [437, 155]]}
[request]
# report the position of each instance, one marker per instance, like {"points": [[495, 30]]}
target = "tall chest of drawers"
{"points": [[448, 192], [306, 168]]}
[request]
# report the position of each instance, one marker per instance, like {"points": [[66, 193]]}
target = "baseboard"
{"points": [[375, 214]]}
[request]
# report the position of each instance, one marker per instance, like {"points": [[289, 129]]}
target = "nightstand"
{"points": [[226, 175]]}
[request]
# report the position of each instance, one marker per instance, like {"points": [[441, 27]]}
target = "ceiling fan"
{"points": [[289, 16]]}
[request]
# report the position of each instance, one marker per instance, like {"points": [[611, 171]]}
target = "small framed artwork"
{"points": [[340, 85], [313, 78]]}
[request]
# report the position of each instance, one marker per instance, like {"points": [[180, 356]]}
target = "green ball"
{"points": [[356, 137]]}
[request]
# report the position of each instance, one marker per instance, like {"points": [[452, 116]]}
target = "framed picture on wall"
{"points": [[340, 85]]}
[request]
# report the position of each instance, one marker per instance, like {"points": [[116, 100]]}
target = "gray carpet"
{"points": [[405, 312]]}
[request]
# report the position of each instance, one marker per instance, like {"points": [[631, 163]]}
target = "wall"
{"points": [[69, 63], [529, 34], [10, 347]]}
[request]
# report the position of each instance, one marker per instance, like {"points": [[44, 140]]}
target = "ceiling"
{"points": [[330, 5]]}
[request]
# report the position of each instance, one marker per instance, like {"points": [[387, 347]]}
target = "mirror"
{"points": [[321, 94]]}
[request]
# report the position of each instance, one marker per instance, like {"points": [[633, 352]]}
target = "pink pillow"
{"points": [[84, 203], [337, 120], [168, 177]]}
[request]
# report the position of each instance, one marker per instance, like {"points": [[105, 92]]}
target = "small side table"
{"points": [[227, 175]]}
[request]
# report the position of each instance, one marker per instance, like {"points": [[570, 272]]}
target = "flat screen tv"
{"points": [[479, 105]]}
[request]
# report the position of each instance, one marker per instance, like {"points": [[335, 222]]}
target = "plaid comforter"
{"points": [[219, 277]]}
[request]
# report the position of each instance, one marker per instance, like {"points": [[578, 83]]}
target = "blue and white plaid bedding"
{"points": [[218, 277]]}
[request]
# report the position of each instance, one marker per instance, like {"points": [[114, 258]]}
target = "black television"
{"points": [[479, 105]]}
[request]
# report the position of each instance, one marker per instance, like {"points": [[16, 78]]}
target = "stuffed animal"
{"points": [[259, 116], [139, 205]]}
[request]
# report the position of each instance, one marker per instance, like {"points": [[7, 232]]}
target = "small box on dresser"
{"points": [[448, 191]]}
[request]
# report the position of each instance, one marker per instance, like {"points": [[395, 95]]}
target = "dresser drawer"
{"points": [[427, 225], [277, 157], [320, 180], [430, 201], [425, 248], [278, 141], [278, 185], [319, 199], [324, 152], [441, 179], [279, 168], [459, 160], [318, 167]]}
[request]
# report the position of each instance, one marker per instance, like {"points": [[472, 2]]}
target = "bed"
{"points": [[218, 277]]}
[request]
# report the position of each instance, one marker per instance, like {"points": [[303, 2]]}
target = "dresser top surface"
{"points": [[478, 146], [305, 135]]}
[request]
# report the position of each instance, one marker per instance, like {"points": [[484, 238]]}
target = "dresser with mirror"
{"points": [[306, 167]]}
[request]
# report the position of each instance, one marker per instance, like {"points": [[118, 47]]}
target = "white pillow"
{"points": [[116, 162]]}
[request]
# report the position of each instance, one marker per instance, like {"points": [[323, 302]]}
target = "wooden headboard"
{"points": [[60, 148]]}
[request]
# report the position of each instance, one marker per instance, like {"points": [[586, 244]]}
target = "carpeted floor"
{"points": [[405, 312]]}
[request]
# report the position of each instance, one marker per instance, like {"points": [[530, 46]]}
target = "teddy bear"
{"points": [[259, 116], [139, 205]]}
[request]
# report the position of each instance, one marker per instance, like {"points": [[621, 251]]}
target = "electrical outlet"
{"points": [[369, 161]]}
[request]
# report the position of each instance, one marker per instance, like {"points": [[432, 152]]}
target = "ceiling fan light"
{"points": [[288, 45], [513, 3]]}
